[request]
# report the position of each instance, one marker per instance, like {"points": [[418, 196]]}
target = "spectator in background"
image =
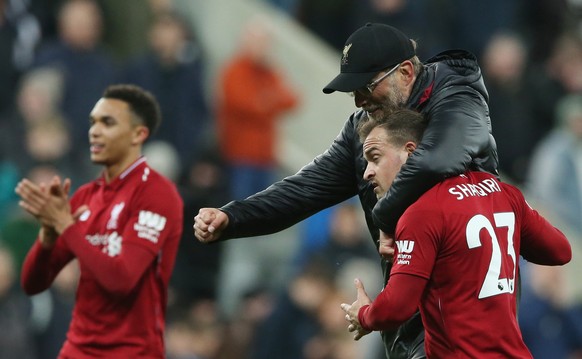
{"points": [[437, 25], [36, 132], [550, 324], [313, 235], [505, 71], [291, 325], [203, 183], [17, 339], [20, 33], [124, 229], [173, 71], [45, 11], [164, 158], [240, 333], [304, 323], [559, 75], [470, 25], [345, 240], [254, 96], [195, 332], [53, 310], [344, 248], [19, 230], [9, 176], [543, 22], [330, 20], [414, 18], [555, 175], [86, 66]]}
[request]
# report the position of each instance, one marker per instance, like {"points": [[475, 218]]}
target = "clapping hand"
{"points": [[49, 204]]}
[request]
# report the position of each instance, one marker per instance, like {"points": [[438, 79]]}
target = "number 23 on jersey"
{"points": [[493, 284]]}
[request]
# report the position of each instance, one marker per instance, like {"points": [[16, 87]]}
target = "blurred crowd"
{"points": [[245, 299]]}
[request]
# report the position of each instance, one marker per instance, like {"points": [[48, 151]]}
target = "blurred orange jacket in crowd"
{"points": [[254, 96]]}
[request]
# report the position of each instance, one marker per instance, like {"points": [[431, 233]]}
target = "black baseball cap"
{"points": [[369, 50]]}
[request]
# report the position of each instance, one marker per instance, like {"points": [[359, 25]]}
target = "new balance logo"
{"points": [[405, 246]]}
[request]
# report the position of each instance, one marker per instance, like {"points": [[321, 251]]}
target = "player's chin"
{"points": [[98, 160]]}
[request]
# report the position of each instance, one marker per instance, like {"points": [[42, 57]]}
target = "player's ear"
{"points": [[410, 147], [140, 134]]}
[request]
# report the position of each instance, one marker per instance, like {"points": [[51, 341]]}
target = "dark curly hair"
{"points": [[141, 102]]}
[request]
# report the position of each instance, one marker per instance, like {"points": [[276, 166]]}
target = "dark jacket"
{"points": [[451, 93]]}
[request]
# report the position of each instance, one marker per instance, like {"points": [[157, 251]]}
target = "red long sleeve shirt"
{"points": [[456, 257], [126, 243]]}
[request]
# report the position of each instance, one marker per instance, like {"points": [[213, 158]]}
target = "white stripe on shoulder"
{"points": [[140, 160]]}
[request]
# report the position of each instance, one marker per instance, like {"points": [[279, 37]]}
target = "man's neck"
{"points": [[113, 171]]}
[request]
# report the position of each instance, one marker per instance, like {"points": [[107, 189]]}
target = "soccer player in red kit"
{"points": [[123, 228], [456, 253]]}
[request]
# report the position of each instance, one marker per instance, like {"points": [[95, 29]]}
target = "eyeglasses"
{"points": [[372, 85]]}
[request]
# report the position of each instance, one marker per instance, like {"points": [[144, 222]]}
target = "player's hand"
{"points": [[209, 224], [386, 246], [33, 198], [352, 310], [62, 191], [48, 235], [59, 189], [48, 204], [358, 331]]}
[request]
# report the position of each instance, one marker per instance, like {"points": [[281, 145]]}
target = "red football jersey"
{"points": [[463, 237], [126, 243]]}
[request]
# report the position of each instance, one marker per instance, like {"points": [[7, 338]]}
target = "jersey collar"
{"points": [[140, 162], [133, 166]]}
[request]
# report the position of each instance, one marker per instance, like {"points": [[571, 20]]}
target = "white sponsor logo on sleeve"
{"points": [[405, 249]]}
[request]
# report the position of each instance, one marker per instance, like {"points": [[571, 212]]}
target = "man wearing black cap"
{"points": [[380, 67]]}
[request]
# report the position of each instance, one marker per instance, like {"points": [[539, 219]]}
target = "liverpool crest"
{"points": [[345, 54]]}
